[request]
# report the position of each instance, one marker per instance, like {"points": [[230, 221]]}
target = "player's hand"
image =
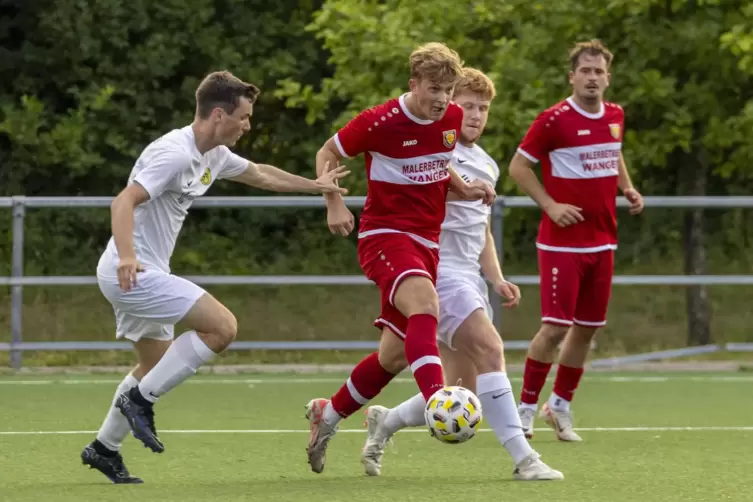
{"points": [[635, 199], [328, 181], [564, 215], [340, 220], [127, 270], [509, 292], [479, 189]]}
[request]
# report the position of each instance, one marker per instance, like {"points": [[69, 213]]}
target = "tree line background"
{"points": [[86, 85]]}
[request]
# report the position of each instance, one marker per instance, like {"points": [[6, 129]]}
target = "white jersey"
{"points": [[463, 233], [174, 173]]}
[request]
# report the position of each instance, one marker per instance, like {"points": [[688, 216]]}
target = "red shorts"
{"points": [[389, 258], [575, 287]]}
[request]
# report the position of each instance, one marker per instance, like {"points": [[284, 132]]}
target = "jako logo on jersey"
{"points": [[615, 130], [206, 178], [410, 142], [449, 137], [583, 132]]}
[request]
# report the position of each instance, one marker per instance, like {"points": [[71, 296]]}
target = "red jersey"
{"points": [[407, 165], [580, 159]]}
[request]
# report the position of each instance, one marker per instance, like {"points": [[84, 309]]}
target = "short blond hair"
{"points": [[477, 82], [437, 62], [222, 89], [592, 48]]}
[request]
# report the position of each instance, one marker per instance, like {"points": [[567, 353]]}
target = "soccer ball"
{"points": [[453, 414]]}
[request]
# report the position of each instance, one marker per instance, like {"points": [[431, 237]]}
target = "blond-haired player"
{"points": [[407, 143], [471, 347]]}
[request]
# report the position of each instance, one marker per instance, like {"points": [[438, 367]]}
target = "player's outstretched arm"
{"points": [[274, 179], [492, 270], [121, 214], [626, 185], [521, 170]]}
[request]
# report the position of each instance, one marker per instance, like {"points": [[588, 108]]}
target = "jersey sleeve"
{"points": [[355, 137], [160, 170], [232, 166], [537, 142]]}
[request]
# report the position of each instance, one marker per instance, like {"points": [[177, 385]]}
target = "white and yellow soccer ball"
{"points": [[453, 414]]}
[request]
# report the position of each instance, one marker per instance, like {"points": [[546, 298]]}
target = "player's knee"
{"points": [[416, 295], [227, 328], [583, 334], [393, 363], [392, 356], [553, 334]]}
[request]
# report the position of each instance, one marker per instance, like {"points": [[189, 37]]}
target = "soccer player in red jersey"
{"points": [[579, 144], [407, 143]]}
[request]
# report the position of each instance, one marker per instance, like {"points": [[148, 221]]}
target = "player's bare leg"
{"points": [[103, 453], [541, 354], [571, 361], [213, 328], [366, 380]]}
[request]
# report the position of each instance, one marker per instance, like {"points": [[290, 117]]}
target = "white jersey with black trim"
{"points": [[463, 234], [174, 173]]}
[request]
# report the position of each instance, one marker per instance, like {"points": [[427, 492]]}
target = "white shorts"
{"points": [[459, 296], [151, 308]]}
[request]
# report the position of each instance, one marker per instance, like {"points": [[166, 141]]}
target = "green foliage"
{"points": [[88, 84], [682, 72]]}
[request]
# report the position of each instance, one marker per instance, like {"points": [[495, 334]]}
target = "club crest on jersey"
{"points": [[449, 137], [615, 130], [206, 178]]}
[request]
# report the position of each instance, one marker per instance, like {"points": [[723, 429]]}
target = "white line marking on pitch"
{"points": [[362, 431], [247, 381]]}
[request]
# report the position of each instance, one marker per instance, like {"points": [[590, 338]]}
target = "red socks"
{"points": [[567, 381], [365, 382], [423, 354], [534, 378]]}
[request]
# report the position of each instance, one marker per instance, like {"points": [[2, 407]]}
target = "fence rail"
{"points": [[17, 280]]}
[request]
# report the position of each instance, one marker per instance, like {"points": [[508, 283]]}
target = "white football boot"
{"points": [[376, 441], [561, 422], [320, 434], [532, 468]]}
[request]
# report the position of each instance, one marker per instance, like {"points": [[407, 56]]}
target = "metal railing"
{"points": [[17, 280]]}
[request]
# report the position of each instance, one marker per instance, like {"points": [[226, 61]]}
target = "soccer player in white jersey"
{"points": [[134, 270], [579, 144], [470, 345]]}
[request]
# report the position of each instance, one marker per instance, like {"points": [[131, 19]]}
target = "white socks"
{"points": [[558, 403], [115, 428], [501, 413], [409, 413], [330, 416], [181, 361]]}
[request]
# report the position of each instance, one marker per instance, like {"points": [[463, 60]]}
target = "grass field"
{"points": [[662, 437]]}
